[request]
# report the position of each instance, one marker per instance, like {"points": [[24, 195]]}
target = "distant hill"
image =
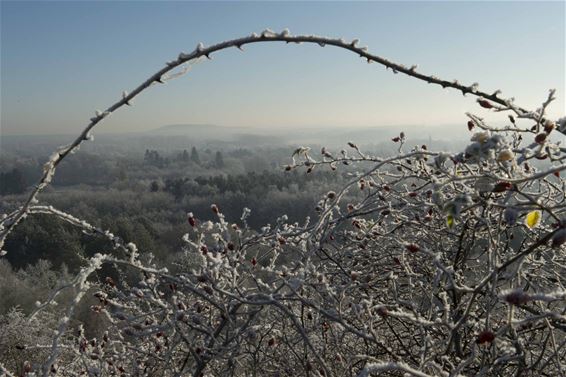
{"points": [[185, 128], [199, 131], [322, 133], [215, 133], [183, 136]]}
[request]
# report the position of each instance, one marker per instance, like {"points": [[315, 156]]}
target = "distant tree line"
{"points": [[153, 157], [251, 182]]}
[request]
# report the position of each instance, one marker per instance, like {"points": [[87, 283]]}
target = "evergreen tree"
{"points": [[154, 186], [219, 160], [194, 156]]}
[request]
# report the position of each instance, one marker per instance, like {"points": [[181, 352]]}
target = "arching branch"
{"points": [[200, 51]]}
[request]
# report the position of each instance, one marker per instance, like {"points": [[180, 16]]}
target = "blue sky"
{"points": [[62, 60]]}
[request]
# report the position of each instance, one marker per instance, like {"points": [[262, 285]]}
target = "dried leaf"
{"points": [[533, 219], [450, 221]]}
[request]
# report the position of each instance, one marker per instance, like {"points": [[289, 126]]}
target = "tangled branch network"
{"points": [[425, 264]]}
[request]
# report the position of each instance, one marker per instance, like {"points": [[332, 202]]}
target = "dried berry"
{"points": [[549, 126], [382, 311], [485, 336], [540, 138], [191, 219], [517, 297], [502, 186], [110, 281], [413, 248], [559, 238]]}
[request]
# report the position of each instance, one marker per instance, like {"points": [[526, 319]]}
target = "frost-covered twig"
{"points": [[379, 368]]}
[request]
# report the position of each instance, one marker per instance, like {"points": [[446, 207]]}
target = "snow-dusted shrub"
{"points": [[24, 342], [448, 264]]}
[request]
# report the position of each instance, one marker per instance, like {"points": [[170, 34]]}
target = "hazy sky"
{"points": [[60, 61]]}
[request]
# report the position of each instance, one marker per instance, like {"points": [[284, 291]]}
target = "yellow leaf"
{"points": [[533, 219], [450, 221]]}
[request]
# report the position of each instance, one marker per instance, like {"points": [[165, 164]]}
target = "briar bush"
{"points": [[426, 263]]}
